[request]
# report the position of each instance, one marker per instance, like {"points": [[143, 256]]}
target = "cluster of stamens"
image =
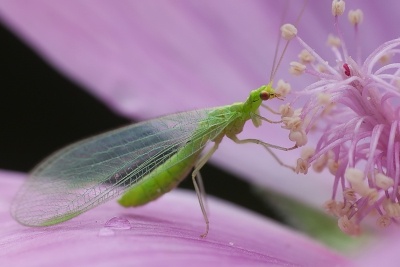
{"points": [[290, 117], [354, 109]]}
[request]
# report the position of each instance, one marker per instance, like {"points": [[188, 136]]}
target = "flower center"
{"points": [[355, 110]]}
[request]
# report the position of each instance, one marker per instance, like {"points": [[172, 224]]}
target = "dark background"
{"points": [[42, 111]]}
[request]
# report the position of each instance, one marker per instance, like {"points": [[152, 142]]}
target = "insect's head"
{"points": [[266, 92]]}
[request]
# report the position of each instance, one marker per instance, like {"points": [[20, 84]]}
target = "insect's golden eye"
{"points": [[264, 95]]}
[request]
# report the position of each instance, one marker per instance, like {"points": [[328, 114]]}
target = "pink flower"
{"points": [[353, 108], [195, 54]]}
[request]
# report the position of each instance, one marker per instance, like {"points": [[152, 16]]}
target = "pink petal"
{"points": [[146, 59], [163, 233], [383, 252]]}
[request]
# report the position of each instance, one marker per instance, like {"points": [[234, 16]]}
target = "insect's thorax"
{"points": [[236, 126], [242, 111]]}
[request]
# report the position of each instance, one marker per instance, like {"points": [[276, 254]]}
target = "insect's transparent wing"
{"points": [[94, 170]]}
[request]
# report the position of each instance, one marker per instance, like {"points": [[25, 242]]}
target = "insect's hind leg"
{"points": [[200, 189], [268, 147]]}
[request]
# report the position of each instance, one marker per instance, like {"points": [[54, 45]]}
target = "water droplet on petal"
{"points": [[106, 232], [231, 243], [118, 223]]}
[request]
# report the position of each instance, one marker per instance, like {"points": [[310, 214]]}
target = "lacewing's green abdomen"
{"points": [[152, 187]]}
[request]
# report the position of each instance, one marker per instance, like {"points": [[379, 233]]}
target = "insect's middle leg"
{"points": [[268, 147], [195, 173]]}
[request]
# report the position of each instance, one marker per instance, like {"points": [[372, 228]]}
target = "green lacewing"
{"points": [[141, 162]]}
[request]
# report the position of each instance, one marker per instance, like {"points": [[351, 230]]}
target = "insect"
{"points": [[141, 162]]}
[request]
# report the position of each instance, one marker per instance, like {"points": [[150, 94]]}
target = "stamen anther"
{"points": [[349, 194], [282, 88], [324, 98], [338, 7], [302, 166], [296, 68], [333, 166], [305, 57], [286, 110], [333, 41], [392, 209], [307, 152], [383, 221], [299, 136], [355, 17], [385, 59], [348, 226], [384, 182], [289, 31]]}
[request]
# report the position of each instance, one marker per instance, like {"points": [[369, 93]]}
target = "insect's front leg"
{"points": [[264, 119], [268, 147], [270, 109]]}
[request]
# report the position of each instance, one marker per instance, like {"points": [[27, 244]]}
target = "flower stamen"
{"points": [[356, 111]]}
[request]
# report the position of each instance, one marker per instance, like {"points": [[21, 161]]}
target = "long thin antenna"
{"points": [[285, 9], [301, 13], [287, 43]]}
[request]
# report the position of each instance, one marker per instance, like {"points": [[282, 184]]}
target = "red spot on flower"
{"points": [[346, 69]]}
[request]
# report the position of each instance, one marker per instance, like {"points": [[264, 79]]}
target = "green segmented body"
{"points": [[141, 161], [153, 186], [168, 175]]}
